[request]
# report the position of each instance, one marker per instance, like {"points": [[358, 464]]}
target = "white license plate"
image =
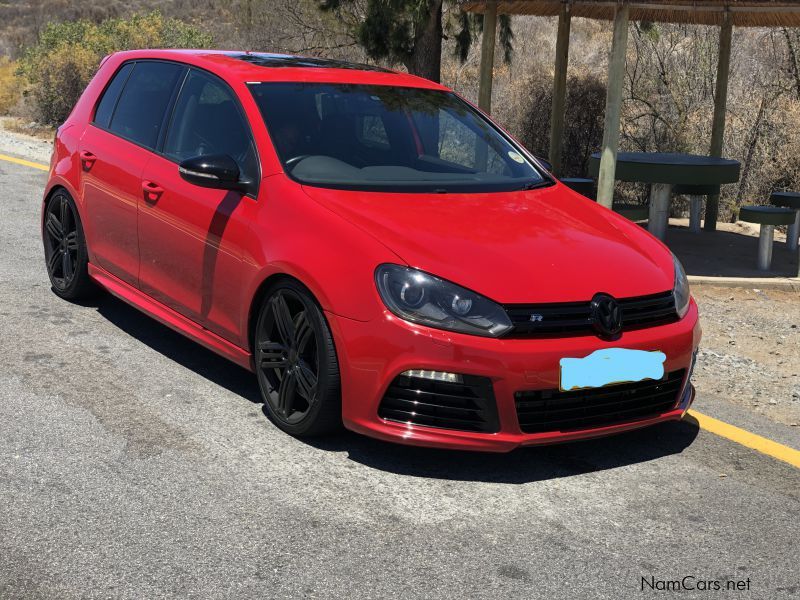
{"points": [[610, 366]]}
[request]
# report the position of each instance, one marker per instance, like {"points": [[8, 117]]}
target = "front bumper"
{"points": [[372, 354]]}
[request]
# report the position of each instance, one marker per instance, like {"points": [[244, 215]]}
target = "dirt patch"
{"points": [[731, 251], [750, 353]]}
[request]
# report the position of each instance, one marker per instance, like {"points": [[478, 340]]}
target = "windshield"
{"points": [[387, 138]]}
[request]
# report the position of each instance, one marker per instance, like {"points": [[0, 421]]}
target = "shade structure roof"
{"points": [[743, 13]]}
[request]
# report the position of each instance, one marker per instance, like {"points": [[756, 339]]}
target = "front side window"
{"points": [[207, 120], [140, 109], [389, 138]]}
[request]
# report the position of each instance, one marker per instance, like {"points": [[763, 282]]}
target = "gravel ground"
{"points": [[750, 353], [26, 146]]}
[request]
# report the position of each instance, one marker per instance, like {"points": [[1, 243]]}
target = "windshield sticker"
{"points": [[515, 156]]}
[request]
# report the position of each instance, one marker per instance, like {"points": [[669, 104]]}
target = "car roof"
{"points": [[262, 67]]}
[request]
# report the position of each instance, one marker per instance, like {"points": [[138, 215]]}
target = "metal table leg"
{"points": [[659, 209]]}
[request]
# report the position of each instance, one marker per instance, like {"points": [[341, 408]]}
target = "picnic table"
{"points": [[690, 173]]}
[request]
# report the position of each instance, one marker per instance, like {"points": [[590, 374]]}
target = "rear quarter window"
{"points": [[105, 108]]}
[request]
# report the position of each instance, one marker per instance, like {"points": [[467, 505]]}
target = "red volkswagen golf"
{"points": [[372, 246]]}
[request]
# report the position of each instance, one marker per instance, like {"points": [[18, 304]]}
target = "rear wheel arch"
{"points": [[48, 197], [59, 186], [63, 236]]}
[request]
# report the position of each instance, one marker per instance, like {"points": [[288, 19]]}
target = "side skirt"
{"points": [[170, 318]]}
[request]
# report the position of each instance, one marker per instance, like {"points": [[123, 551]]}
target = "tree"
{"points": [[410, 32]]}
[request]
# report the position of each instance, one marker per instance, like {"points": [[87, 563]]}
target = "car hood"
{"points": [[544, 245]]}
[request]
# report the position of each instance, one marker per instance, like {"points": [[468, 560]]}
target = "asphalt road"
{"points": [[135, 464]]}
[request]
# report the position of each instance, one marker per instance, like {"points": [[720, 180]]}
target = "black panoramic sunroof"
{"points": [[285, 60]]}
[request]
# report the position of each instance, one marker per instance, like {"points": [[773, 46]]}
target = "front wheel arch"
{"points": [[260, 295]]}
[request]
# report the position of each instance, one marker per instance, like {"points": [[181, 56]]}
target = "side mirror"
{"points": [[217, 171], [546, 164]]}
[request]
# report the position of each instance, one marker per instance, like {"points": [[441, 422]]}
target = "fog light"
{"points": [[435, 375]]}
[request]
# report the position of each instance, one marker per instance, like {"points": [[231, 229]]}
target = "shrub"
{"points": [[9, 85], [59, 66], [583, 119]]}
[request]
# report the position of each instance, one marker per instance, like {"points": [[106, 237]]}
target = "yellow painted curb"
{"points": [[26, 163], [745, 438]]}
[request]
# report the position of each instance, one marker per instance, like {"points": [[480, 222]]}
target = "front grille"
{"points": [[467, 406], [575, 318], [553, 410]]}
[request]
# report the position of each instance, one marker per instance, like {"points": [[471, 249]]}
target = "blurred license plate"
{"points": [[609, 366]]}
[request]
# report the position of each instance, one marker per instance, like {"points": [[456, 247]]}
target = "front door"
{"points": [[189, 236]]}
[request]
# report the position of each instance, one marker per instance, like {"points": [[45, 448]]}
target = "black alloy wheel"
{"points": [[296, 362], [65, 248]]}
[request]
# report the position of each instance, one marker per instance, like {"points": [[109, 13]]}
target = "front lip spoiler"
{"points": [[506, 442]]}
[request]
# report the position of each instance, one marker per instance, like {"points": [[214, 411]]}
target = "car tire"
{"points": [[296, 363], [66, 256]]}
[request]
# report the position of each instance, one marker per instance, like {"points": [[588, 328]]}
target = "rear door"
{"points": [[190, 237], [114, 150]]}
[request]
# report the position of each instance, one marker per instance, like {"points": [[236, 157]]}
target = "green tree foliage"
{"points": [[59, 66], [410, 32]]}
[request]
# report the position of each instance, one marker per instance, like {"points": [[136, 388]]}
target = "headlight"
{"points": [[681, 288], [422, 298]]}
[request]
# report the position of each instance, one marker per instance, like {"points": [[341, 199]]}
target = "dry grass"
{"points": [[10, 85], [27, 127]]}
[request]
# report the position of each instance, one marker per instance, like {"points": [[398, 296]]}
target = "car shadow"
{"points": [[179, 348], [523, 465]]}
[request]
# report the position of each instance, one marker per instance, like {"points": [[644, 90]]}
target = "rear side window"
{"points": [[105, 108], [140, 110]]}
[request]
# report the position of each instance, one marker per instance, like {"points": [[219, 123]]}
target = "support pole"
{"points": [[765, 239], [559, 88], [660, 195], [792, 233], [487, 56], [616, 72], [695, 210], [720, 106]]}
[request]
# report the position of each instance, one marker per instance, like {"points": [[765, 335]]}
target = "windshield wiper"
{"points": [[532, 185]]}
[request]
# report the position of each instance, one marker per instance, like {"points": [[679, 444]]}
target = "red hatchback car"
{"points": [[372, 246]]}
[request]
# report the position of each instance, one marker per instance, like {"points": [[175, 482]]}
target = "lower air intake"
{"points": [[466, 406], [542, 411]]}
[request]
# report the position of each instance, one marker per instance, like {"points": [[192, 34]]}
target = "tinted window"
{"points": [[141, 107], [105, 107], [389, 138], [207, 120]]}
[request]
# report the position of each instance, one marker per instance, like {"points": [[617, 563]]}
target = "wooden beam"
{"points": [[720, 107], [616, 73], [559, 88], [487, 56]]}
